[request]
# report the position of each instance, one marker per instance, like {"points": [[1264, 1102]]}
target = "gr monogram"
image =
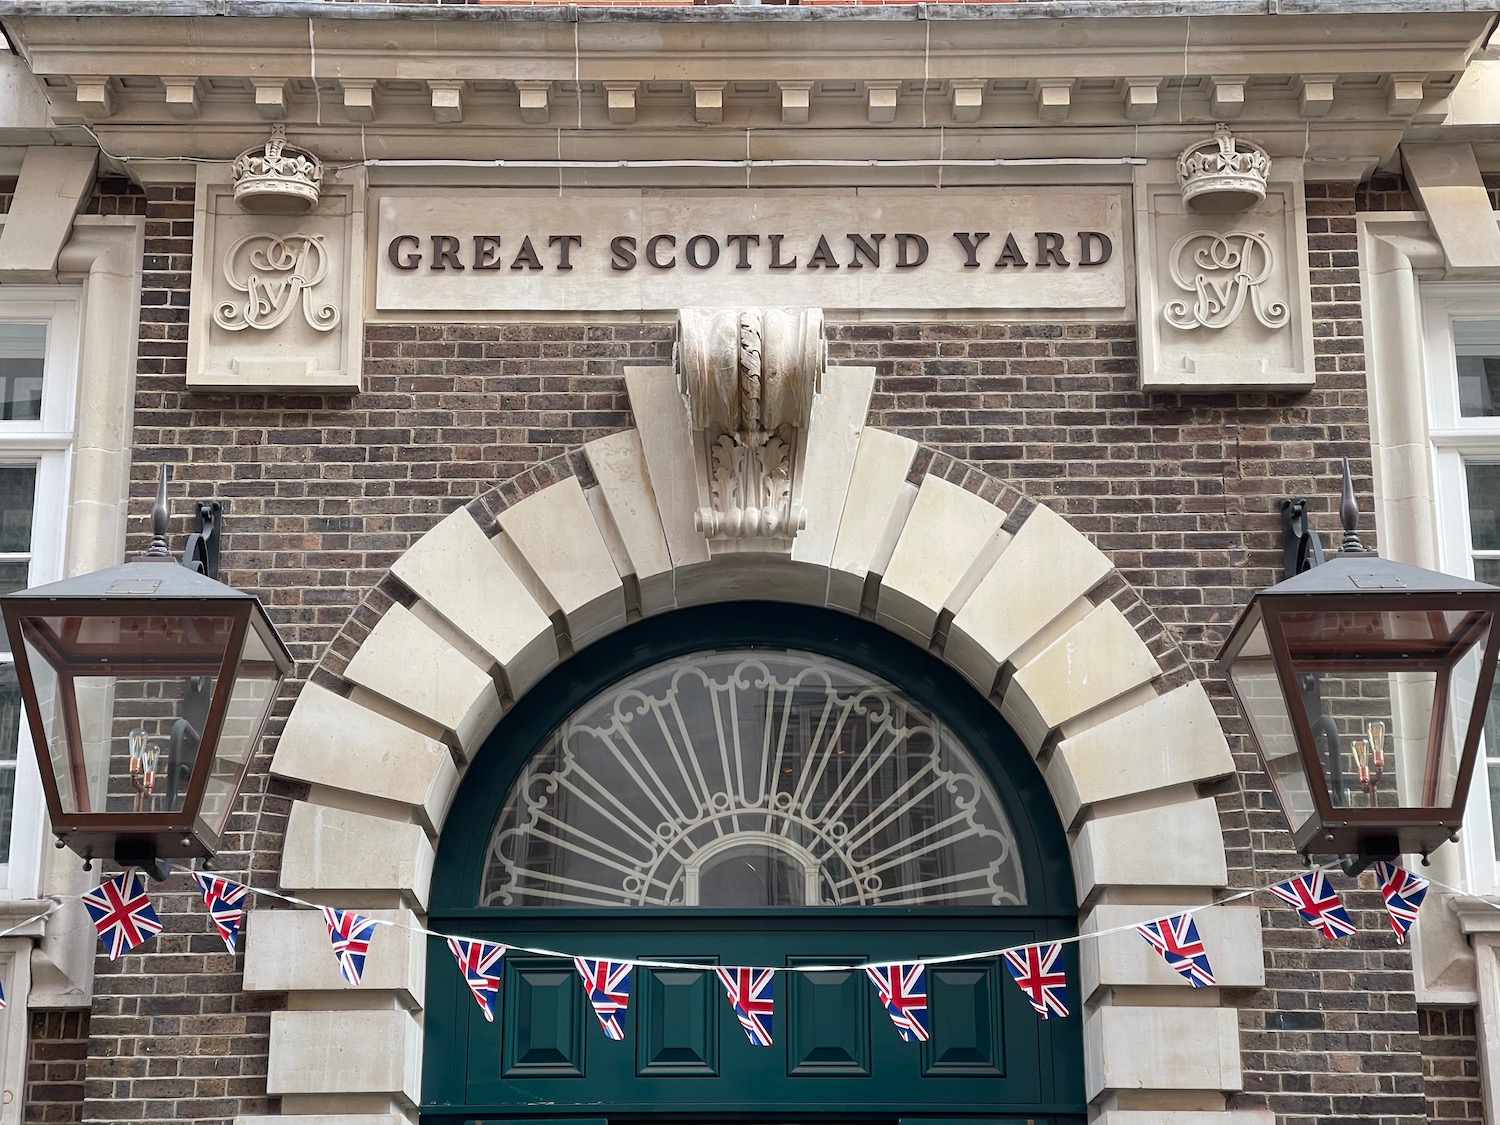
{"points": [[274, 271], [1221, 271]]}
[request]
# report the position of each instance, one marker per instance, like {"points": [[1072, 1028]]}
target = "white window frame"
{"points": [[47, 443], [1456, 441]]}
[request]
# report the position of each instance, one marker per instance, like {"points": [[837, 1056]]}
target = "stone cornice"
{"points": [[1340, 83]]}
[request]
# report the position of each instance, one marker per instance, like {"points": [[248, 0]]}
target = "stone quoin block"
{"points": [[1178, 845], [1186, 1117], [346, 1052], [1095, 661], [876, 483], [946, 532], [1231, 936], [1172, 739], [406, 662], [332, 850], [1149, 1048], [555, 532], [456, 570], [289, 951], [1042, 571], [328, 1119], [333, 742]]}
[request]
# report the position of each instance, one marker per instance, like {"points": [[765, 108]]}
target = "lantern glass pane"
{"points": [[122, 701], [254, 685], [1259, 690], [1371, 731]]}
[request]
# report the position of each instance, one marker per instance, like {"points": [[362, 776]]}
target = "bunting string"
{"points": [[123, 916]]}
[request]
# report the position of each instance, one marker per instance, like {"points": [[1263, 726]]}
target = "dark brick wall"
{"points": [[323, 493], [1450, 1066], [58, 1047]]}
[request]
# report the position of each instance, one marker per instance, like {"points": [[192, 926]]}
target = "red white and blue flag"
{"points": [[1317, 902], [122, 913], [3, 1003], [225, 901], [1035, 968], [1177, 940], [350, 934], [903, 992], [608, 986], [1403, 893], [752, 997], [480, 962]]}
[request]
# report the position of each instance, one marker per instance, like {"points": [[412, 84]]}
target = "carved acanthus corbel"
{"points": [[749, 377]]}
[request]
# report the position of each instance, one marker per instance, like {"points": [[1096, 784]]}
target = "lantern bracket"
{"points": [[202, 550], [142, 854], [1301, 548], [1372, 850]]}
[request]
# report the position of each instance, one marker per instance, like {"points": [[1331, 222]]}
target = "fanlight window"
{"points": [[749, 778]]}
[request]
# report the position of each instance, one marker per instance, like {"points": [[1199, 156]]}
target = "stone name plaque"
{"points": [[501, 250]]}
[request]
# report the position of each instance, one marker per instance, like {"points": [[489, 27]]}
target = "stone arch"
{"points": [[1002, 589]]}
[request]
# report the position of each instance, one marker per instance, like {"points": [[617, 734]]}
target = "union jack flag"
{"points": [[223, 899], [903, 991], [1403, 893], [1177, 940], [350, 934], [480, 962], [608, 986], [751, 994], [3, 1004], [1036, 970], [122, 913], [1317, 902]]}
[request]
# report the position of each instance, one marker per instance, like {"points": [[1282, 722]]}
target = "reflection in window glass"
{"points": [[753, 778], [1483, 483], [1477, 344], [22, 347], [17, 493]]}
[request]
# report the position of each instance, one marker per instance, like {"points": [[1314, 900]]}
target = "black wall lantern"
{"points": [[146, 686], [1366, 684]]}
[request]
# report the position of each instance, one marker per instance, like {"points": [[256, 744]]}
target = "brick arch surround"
{"points": [[1002, 589]]}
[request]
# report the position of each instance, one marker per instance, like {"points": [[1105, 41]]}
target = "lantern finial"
{"points": [[158, 548], [1349, 514]]}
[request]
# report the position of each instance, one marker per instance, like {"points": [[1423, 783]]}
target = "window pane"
{"points": [[22, 347], [1484, 506], [1477, 344], [17, 492], [753, 778]]}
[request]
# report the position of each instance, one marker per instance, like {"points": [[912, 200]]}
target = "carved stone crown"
{"points": [[279, 179], [1223, 173]]}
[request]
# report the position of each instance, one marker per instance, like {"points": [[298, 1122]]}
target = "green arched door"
{"points": [[751, 785]]}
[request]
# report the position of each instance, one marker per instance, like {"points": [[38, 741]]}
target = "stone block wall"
{"points": [[323, 493]]}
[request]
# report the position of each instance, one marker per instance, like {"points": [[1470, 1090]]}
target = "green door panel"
{"points": [[676, 1022], [542, 1021], [825, 1018], [835, 1048], [968, 1040]]}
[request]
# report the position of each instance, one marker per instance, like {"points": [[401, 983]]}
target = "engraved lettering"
{"points": [[1010, 254], [1087, 241], [564, 243], [1049, 248], [526, 258], [444, 253], [690, 251], [822, 256], [868, 247], [970, 243], [487, 252], [655, 241], [776, 262], [904, 245], [743, 242], [622, 253], [401, 258]]}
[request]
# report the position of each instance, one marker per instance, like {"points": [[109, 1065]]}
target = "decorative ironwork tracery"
{"points": [[752, 777]]}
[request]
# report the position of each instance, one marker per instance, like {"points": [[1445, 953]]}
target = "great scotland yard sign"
{"points": [[497, 250]]}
